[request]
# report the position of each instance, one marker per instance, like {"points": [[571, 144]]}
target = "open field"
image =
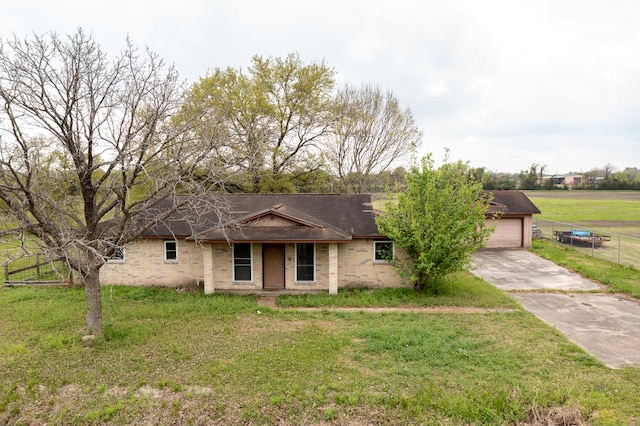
{"points": [[587, 195], [613, 213], [186, 358]]}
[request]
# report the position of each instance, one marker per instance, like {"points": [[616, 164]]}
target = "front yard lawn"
{"points": [[186, 358]]}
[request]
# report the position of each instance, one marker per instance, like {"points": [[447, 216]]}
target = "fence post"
{"points": [[37, 265], [619, 247], [6, 272]]}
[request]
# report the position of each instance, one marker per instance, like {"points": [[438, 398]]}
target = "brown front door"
{"points": [[273, 266]]}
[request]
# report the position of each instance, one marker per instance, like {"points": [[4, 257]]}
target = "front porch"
{"points": [[268, 267]]}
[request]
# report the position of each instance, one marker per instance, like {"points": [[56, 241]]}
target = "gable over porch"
{"points": [[305, 242]]}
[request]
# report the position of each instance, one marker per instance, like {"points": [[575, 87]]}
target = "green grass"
{"points": [[614, 213], [462, 290], [192, 359], [15, 252], [587, 206], [568, 210], [619, 278]]}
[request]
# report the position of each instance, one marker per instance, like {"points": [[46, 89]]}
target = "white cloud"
{"points": [[503, 84]]}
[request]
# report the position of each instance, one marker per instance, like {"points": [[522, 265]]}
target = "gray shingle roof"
{"points": [[511, 202], [312, 217]]}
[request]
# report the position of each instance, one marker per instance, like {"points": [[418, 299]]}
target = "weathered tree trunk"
{"points": [[94, 301]]}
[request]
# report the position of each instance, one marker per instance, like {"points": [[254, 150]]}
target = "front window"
{"points": [[171, 251], [242, 262], [383, 251], [305, 262]]}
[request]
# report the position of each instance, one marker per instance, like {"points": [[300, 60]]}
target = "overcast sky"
{"points": [[502, 84]]}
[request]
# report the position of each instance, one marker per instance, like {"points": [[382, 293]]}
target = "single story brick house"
{"points": [[304, 242]]}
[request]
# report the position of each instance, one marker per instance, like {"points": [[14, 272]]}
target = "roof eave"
{"points": [[278, 241]]}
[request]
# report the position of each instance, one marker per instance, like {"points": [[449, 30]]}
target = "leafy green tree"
{"points": [[438, 221], [314, 181], [632, 174], [530, 179], [227, 115], [480, 174], [266, 121], [500, 181]]}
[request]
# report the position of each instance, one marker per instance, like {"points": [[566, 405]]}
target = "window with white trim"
{"points": [[383, 251], [242, 262], [117, 256], [305, 262], [170, 251]]}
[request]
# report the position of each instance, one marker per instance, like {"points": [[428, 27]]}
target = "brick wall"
{"points": [[223, 268], [357, 267], [527, 231], [144, 264]]}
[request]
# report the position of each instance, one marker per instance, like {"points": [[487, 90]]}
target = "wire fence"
{"points": [[617, 248], [36, 269]]}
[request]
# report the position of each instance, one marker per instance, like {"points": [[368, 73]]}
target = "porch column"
{"points": [[208, 268], [333, 268]]}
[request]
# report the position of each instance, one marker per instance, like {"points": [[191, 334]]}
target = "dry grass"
{"points": [[557, 416]]}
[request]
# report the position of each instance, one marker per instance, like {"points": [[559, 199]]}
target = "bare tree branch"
{"points": [[89, 159], [371, 134]]}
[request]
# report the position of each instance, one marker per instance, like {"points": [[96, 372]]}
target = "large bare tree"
{"points": [[372, 133], [88, 158]]}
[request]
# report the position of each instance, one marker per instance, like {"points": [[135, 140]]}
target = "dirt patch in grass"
{"points": [[267, 301], [149, 405], [152, 405], [439, 309], [558, 416], [253, 326], [270, 302]]}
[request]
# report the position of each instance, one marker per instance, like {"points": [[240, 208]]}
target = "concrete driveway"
{"points": [[522, 270], [606, 326]]}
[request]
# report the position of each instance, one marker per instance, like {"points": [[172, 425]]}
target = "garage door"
{"points": [[508, 234]]}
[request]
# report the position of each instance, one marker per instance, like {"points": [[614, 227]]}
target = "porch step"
{"points": [[267, 301]]}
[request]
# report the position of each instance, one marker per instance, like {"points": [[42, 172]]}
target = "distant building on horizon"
{"points": [[568, 180]]}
